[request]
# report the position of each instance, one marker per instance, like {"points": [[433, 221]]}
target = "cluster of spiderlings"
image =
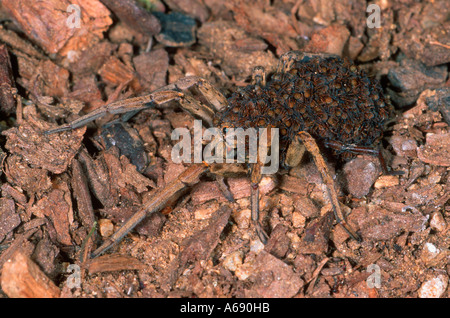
{"points": [[328, 97]]}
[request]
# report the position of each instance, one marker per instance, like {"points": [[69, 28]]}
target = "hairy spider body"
{"points": [[325, 96]]}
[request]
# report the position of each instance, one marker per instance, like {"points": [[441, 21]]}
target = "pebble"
{"points": [[242, 218], [386, 181], [329, 40], [256, 246], [429, 252], [106, 227], [298, 220], [404, 146], [360, 175], [233, 260], [434, 287], [437, 222], [206, 211], [411, 78]]}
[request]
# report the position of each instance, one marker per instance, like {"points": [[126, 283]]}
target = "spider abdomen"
{"points": [[325, 96]]}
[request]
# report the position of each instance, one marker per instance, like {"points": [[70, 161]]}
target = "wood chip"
{"points": [[22, 278], [30, 180], [436, 150], [56, 208], [82, 195], [239, 187], [9, 219], [7, 86], [9, 191], [273, 278], [114, 72], [51, 152], [152, 69], [200, 245], [47, 22], [114, 262]]}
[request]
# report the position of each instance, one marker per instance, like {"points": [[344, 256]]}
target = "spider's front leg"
{"points": [[182, 91]]}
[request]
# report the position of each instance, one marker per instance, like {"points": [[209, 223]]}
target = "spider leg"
{"points": [[336, 145], [258, 79], [312, 147], [255, 178], [180, 91], [157, 201]]}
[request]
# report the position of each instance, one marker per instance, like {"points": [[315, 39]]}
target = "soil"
{"points": [[64, 194]]}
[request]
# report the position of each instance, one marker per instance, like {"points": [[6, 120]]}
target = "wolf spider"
{"points": [[310, 97]]}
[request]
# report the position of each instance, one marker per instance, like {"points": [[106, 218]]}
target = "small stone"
{"points": [[386, 181], [233, 260], [256, 246], [433, 288], [330, 40], [298, 220], [206, 211], [106, 227], [243, 271], [437, 222], [411, 78], [411, 75], [360, 175], [242, 218], [429, 252], [177, 29]]}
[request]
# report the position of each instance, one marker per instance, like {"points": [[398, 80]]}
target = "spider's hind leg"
{"points": [[338, 146], [313, 149]]}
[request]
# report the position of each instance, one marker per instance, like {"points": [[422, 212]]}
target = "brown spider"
{"points": [[310, 97]]}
